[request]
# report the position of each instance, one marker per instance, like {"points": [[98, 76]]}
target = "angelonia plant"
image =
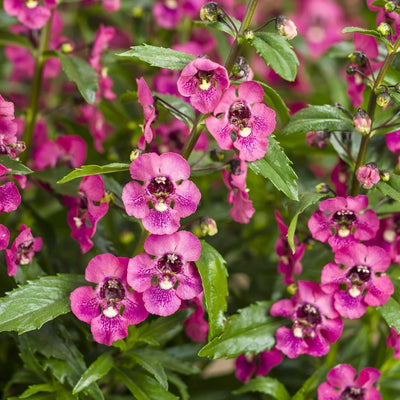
{"points": [[200, 199]]}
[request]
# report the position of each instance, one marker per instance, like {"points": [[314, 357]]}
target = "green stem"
{"points": [[31, 115], [195, 132], [355, 186]]}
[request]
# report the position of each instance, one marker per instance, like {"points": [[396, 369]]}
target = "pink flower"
{"points": [[22, 250], [315, 322], [260, 364], [10, 198], [161, 201], [171, 276], [368, 175], [393, 341], [30, 13], [4, 237], [343, 384], [8, 129], [244, 115], [203, 81], [339, 177], [111, 306], [340, 221], [196, 327], [242, 209], [149, 110], [289, 262], [357, 280], [86, 211]]}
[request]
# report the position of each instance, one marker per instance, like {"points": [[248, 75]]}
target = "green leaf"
{"points": [[390, 312], [17, 167], [30, 306], [277, 53], [86, 170], [276, 167], [82, 73], [368, 32], [311, 384], [180, 385], [214, 276], [33, 389], [306, 199], [220, 26], [97, 370], [266, 385], [51, 176], [252, 330], [318, 118], [275, 101], [390, 188], [7, 38], [159, 56]]}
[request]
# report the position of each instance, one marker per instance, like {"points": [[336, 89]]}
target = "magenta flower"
{"points": [[244, 115], [260, 364], [8, 129], [393, 341], [161, 201], [10, 198], [30, 13], [22, 250], [315, 322], [111, 306], [339, 177], [340, 221], [343, 384], [196, 327], [4, 237], [149, 110], [368, 175], [171, 276], [242, 209], [289, 262], [86, 211], [357, 280], [169, 13], [203, 81]]}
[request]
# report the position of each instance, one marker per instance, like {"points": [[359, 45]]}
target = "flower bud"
{"points": [[208, 226], [241, 69], [384, 28], [108, 198], [323, 188], [390, 6], [210, 12], [249, 35], [358, 58], [368, 175], [135, 154], [286, 27], [317, 139], [385, 175], [216, 155], [362, 122], [235, 166], [292, 289], [66, 47], [383, 99], [351, 70]]}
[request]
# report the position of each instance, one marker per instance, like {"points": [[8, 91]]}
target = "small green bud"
{"points": [[292, 289], [358, 58], [240, 69], [390, 6], [66, 48], [385, 175], [108, 198], [208, 226], [323, 188], [384, 28], [249, 35], [135, 154], [210, 12], [137, 12], [383, 99], [351, 70], [216, 155]]}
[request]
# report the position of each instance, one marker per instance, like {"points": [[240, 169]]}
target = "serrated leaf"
{"points": [[275, 101], [390, 313], [318, 118], [251, 330], [277, 53], [159, 56], [390, 188], [214, 276], [275, 166], [82, 73], [97, 370], [306, 199], [7, 38], [368, 32], [311, 384], [30, 306], [17, 168], [266, 385], [86, 170]]}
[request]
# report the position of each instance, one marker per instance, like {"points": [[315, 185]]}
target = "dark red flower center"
{"points": [[170, 263], [344, 217], [352, 393], [359, 274], [160, 186], [239, 114], [112, 290], [307, 314]]}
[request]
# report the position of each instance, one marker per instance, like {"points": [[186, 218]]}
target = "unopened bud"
{"points": [[235, 166], [390, 6], [210, 12], [383, 99], [286, 27], [318, 139], [249, 35], [384, 28], [362, 122], [241, 69], [137, 12], [135, 154], [323, 188], [216, 155], [351, 70], [66, 47], [358, 58], [368, 175], [292, 289], [385, 175], [108, 198], [208, 226]]}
